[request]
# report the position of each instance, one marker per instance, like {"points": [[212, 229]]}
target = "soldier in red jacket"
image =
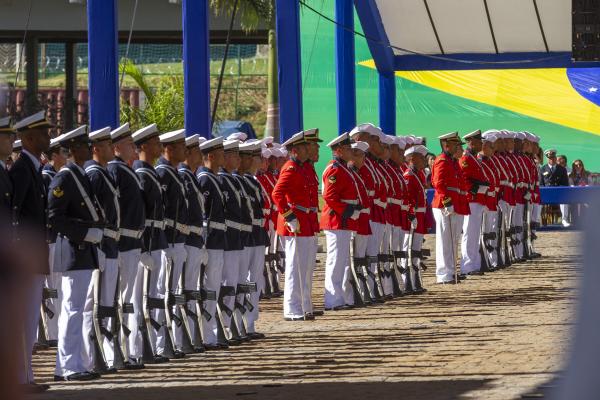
{"points": [[291, 196], [447, 182], [535, 202], [371, 135], [339, 218], [478, 186], [490, 215]]}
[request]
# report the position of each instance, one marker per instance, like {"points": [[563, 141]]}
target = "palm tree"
{"points": [[251, 13]]}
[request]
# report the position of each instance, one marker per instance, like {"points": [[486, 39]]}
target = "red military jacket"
{"points": [[519, 177], [379, 196], [363, 226], [474, 175], [266, 189], [493, 177], [313, 184], [339, 193], [416, 198], [292, 193], [508, 184], [449, 185], [399, 172], [394, 195]]}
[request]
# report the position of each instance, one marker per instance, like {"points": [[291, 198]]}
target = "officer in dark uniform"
{"points": [[197, 256], [132, 221], [73, 212], [29, 216], [7, 138], [176, 213], [215, 231], [149, 149], [107, 196], [553, 174]]}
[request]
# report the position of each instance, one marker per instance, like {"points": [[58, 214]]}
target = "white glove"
{"points": [[447, 211], [203, 257], [482, 189], [355, 215], [93, 235], [527, 196], [293, 226], [101, 260], [147, 261], [169, 253], [413, 224]]}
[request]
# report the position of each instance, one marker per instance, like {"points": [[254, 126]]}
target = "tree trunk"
{"points": [[272, 126]]}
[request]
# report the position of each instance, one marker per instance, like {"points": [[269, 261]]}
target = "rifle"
{"points": [[100, 364], [358, 280], [415, 275], [186, 341]]}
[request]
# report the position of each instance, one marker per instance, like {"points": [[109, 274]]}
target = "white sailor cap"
{"points": [[173, 137], [550, 152], [451, 137], [367, 128], [490, 132], [276, 145], [211, 144], [251, 148], [343, 139], [283, 153], [507, 134], [520, 136], [17, 146], [362, 146], [231, 145], [490, 137], [532, 137], [266, 152], [266, 141], [37, 120], [121, 132], [312, 135], [5, 126], [417, 140], [55, 143], [100, 135], [77, 135], [409, 140], [400, 141], [147, 132], [297, 138], [472, 135], [192, 141], [241, 136], [417, 149], [387, 139]]}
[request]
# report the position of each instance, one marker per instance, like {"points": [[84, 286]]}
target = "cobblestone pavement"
{"points": [[492, 337]]}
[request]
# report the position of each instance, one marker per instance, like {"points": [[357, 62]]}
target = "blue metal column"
{"points": [[103, 53], [387, 102], [196, 67], [345, 78], [287, 24]]}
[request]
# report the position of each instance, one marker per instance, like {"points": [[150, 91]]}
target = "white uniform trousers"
{"points": [[536, 213], [231, 276], [179, 255], [191, 281], [245, 262], [71, 354], [490, 225], [297, 275], [565, 211], [447, 234], [212, 281], [360, 245], [417, 243], [373, 246], [156, 289], [517, 220], [53, 281], [108, 288], [131, 292], [386, 242], [398, 235], [255, 274], [338, 290], [471, 258], [312, 259], [31, 320]]}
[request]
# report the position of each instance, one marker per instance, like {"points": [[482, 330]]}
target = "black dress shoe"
{"points": [[462, 276], [318, 313], [134, 364], [107, 371], [158, 359], [234, 342], [52, 343], [256, 335], [199, 349], [309, 316], [179, 354], [77, 376], [213, 347], [32, 388], [477, 273], [452, 282]]}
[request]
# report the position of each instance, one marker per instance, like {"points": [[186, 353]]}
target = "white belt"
{"points": [[395, 201], [155, 224], [232, 224], [195, 229], [365, 211], [491, 194], [371, 193], [420, 210], [266, 211], [130, 233], [182, 228], [404, 207], [380, 203], [258, 222], [216, 225], [497, 189], [109, 233], [245, 228], [453, 189], [306, 210], [353, 202]]}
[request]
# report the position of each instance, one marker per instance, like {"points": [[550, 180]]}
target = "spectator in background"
{"points": [[578, 175], [554, 174], [565, 209], [430, 161]]}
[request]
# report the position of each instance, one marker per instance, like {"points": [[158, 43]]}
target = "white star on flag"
{"points": [[593, 89]]}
